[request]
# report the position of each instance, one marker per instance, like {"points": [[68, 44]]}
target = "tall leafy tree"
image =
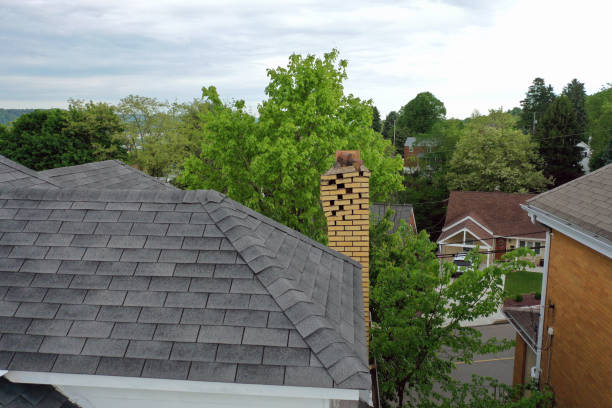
{"points": [[417, 307], [557, 139], [537, 99], [376, 122], [599, 111], [420, 114], [45, 139], [492, 155], [576, 94], [273, 164]]}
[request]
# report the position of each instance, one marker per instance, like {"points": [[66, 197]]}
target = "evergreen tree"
{"points": [[376, 122], [537, 99], [557, 139], [577, 96]]}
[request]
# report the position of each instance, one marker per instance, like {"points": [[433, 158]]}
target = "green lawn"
{"points": [[520, 283]]}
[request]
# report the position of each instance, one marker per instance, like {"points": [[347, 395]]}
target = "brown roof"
{"points": [[500, 213], [526, 321], [585, 202]]}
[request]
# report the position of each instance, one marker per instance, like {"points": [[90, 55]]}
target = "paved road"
{"points": [[499, 365]]}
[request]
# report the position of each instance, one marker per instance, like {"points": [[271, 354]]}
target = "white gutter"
{"points": [[2, 372], [593, 241], [542, 304], [154, 384]]}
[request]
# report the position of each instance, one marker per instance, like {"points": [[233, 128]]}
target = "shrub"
{"points": [[518, 298], [537, 295]]}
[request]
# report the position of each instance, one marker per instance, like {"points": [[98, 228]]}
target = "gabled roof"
{"points": [[500, 213], [173, 284], [401, 212], [107, 174], [585, 203], [14, 175], [31, 396]]}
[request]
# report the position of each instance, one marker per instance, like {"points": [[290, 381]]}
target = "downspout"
{"points": [[542, 306]]}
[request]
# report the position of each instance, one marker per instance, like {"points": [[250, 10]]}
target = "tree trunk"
{"points": [[400, 393]]}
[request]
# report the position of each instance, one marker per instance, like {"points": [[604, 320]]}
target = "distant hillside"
{"points": [[9, 115]]}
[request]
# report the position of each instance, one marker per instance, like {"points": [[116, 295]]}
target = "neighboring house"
{"points": [[414, 153], [107, 174], [127, 298], [573, 353], [401, 212], [494, 221]]}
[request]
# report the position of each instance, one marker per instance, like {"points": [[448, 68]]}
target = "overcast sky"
{"points": [[478, 54]]}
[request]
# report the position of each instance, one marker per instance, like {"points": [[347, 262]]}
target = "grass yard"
{"points": [[520, 283]]}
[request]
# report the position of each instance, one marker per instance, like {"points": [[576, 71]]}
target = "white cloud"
{"points": [[470, 54]]}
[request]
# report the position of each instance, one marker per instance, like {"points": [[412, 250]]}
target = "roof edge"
{"points": [[587, 238]]}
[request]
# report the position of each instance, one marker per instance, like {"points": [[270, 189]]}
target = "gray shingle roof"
{"points": [[14, 175], [585, 202], [401, 212], [178, 284], [107, 174], [15, 395]]}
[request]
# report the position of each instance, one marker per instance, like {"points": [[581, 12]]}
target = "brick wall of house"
{"points": [[411, 158], [345, 196], [580, 288]]}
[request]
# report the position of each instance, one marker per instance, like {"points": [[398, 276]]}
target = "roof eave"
{"points": [[587, 238]]}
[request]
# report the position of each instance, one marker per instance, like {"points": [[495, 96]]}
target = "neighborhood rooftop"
{"points": [[585, 203], [173, 284], [107, 174], [490, 213]]}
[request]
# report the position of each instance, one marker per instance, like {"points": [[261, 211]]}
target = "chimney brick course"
{"points": [[345, 197]]}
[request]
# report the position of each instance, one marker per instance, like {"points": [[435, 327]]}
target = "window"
{"points": [[535, 246], [411, 149], [522, 244]]}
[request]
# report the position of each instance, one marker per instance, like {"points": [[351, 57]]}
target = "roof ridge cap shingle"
{"points": [[349, 370]]}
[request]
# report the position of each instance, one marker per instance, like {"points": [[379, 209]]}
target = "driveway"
{"points": [[498, 365]]}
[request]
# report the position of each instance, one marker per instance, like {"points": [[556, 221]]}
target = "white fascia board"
{"points": [[596, 243], [2, 372], [468, 231], [529, 239], [133, 383], [471, 219]]}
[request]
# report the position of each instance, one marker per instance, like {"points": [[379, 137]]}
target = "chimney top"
{"points": [[346, 158]]}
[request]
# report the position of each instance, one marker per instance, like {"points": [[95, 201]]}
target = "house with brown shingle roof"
{"points": [[573, 348], [493, 221]]}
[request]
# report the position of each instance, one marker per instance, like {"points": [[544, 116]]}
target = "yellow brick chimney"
{"points": [[345, 195]]}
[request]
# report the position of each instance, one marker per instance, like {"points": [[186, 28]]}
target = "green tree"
{"points": [[45, 139], [420, 114], [492, 155], [539, 96], [273, 164], [599, 111], [172, 134], [557, 139], [376, 122], [417, 308], [143, 118], [577, 96]]}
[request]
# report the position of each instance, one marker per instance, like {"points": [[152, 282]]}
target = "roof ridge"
{"points": [[572, 182], [318, 333], [33, 173], [142, 173]]}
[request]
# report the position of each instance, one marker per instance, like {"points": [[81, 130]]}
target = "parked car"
{"points": [[461, 263]]}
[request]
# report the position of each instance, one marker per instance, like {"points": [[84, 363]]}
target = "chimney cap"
{"points": [[345, 158]]}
